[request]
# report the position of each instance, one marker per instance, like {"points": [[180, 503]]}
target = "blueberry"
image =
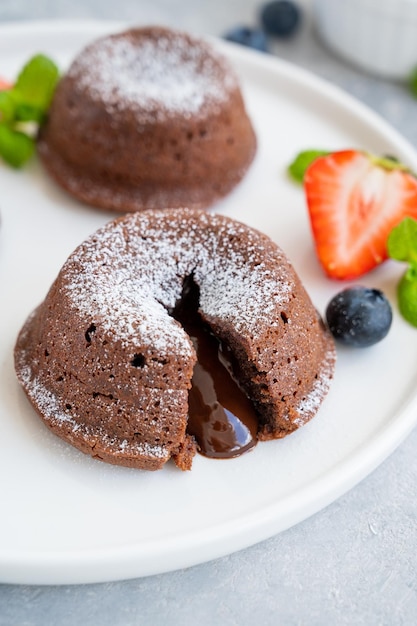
{"points": [[280, 18], [246, 36], [359, 316]]}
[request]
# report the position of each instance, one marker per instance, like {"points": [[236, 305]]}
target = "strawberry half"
{"points": [[354, 201]]}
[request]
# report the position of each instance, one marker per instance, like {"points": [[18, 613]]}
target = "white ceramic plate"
{"points": [[66, 518]]}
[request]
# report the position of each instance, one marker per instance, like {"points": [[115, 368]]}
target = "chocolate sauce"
{"points": [[221, 416]]}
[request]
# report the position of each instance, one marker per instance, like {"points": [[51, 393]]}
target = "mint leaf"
{"points": [[298, 167], [407, 296], [29, 113], [402, 241], [15, 147], [36, 82], [402, 246], [7, 106], [27, 100]]}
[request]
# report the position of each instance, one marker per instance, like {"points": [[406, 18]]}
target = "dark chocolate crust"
{"points": [[107, 367], [149, 118]]}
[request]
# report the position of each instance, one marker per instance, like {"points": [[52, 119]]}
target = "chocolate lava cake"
{"points": [[108, 366], [148, 118]]}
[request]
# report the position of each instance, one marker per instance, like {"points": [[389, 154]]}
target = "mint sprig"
{"points": [[7, 106], [402, 241], [37, 80], [15, 147], [402, 246], [301, 163], [23, 108]]}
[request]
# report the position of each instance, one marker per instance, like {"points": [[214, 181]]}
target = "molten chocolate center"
{"points": [[221, 416]]}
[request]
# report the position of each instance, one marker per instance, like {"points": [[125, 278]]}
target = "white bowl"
{"points": [[379, 36]]}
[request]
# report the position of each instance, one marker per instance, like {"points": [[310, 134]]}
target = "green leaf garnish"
{"points": [[7, 106], [402, 241], [16, 147], [407, 296], [36, 82], [402, 246], [28, 100], [29, 113], [302, 161]]}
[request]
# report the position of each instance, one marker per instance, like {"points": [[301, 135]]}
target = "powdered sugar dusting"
{"points": [[311, 403], [154, 72], [52, 410], [240, 297], [132, 271]]}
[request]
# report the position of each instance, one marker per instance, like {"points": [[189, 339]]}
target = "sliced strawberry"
{"points": [[354, 202], [4, 84]]}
